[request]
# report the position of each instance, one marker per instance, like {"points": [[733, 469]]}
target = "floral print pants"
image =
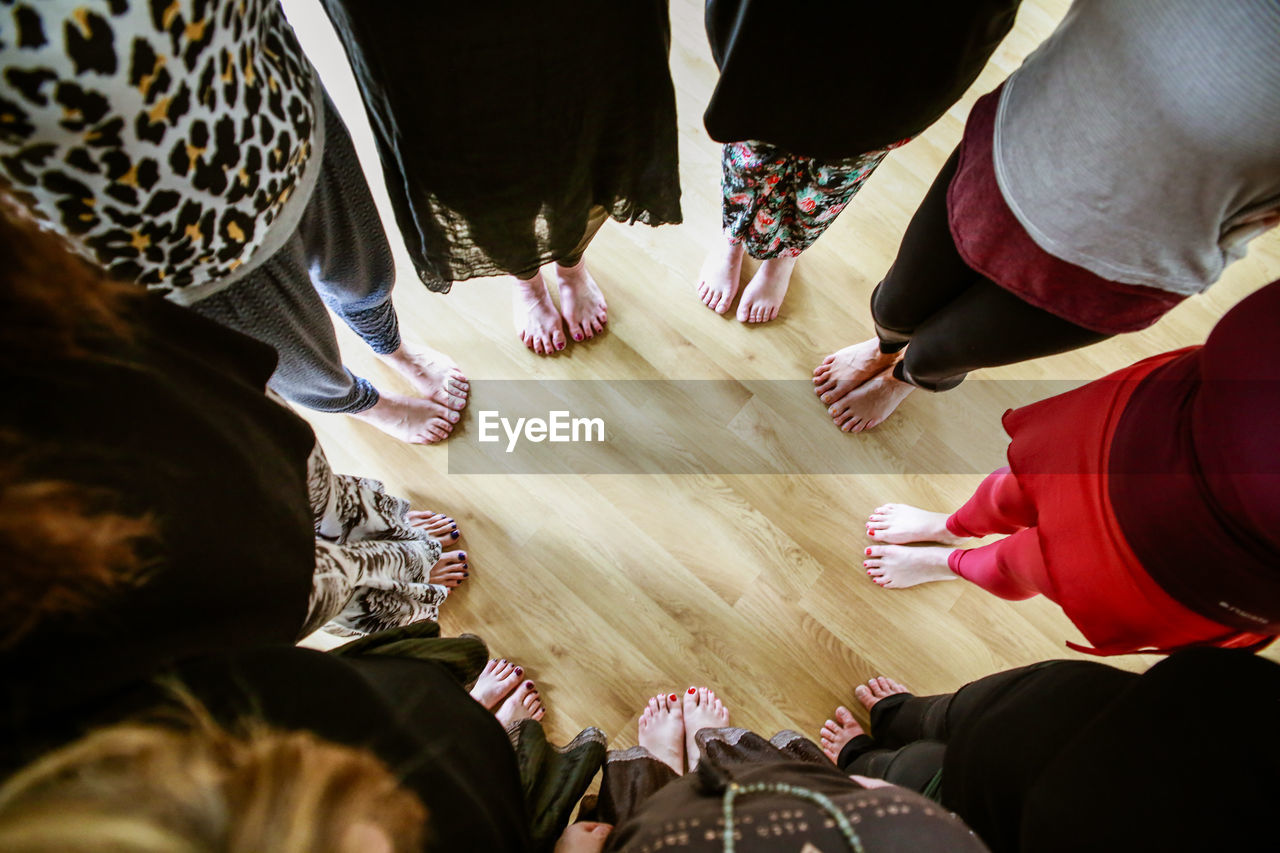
{"points": [[777, 203]]}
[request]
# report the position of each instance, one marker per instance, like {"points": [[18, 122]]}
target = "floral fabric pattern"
{"points": [[778, 204]]}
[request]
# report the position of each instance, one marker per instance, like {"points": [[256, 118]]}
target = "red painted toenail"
{"points": [[673, 697], [529, 684], [692, 690], [871, 533], [519, 670], [867, 552]]}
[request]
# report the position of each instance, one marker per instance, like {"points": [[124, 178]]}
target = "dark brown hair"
{"points": [[60, 551]]}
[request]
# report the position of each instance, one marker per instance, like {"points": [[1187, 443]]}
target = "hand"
{"points": [[584, 838], [869, 782]]}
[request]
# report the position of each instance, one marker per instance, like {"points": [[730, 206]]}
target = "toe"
{"points": [[844, 717], [557, 339]]}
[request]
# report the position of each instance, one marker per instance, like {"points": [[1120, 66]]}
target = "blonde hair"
{"points": [[141, 788]]}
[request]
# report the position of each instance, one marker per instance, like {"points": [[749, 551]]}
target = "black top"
{"points": [[835, 80], [174, 424], [1080, 756], [500, 124], [442, 744]]}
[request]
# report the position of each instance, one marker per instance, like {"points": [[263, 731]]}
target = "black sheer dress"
{"points": [[501, 125]]}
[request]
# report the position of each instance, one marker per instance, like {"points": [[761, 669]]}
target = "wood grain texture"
{"points": [[610, 588]]}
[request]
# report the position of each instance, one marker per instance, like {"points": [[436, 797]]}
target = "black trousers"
{"points": [[954, 318], [909, 734]]}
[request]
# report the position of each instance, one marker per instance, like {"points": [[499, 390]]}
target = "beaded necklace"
{"points": [[821, 801]]}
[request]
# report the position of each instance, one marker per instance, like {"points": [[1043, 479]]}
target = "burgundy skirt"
{"points": [[993, 242]]}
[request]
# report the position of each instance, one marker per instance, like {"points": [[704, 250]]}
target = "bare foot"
{"points": [[902, 524], [432, 373], [436, 525], [845, 370], [661, 730], [702, 710], [876, 689], [498, 679], [763, 297], [523, 704], [450, 570], [867, 406], [901, 566], [537, 319], [836, 733], [581, 302], [720, 275], [410, 419]]}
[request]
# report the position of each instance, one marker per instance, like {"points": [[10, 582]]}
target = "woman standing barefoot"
{"points": [[509, 133], [1146, 504], [799, 144]]}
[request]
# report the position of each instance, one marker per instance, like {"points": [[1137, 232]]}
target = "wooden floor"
{"points": [[609, 588]]}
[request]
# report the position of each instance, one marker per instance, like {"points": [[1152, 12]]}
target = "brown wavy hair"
{"points": [[60, 551], [148, 788]]}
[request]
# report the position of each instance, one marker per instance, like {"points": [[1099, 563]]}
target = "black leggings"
{"points": [[954, 318]]}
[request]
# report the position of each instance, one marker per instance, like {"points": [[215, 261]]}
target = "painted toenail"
{"points": [[871, 533], [519, 670], [672, 697], [454, 535], [529, 684], [577, 337], [462, 555], [692, 690], [868, 552]]}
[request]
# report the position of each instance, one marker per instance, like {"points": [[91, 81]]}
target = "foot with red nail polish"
{"points": [[837, 732], [901, 566], [524, 703], [902, 524], [702, 710], [496, 681], [437, 525], [536, 317], [661, 730], [582, 304], [876, 689]]}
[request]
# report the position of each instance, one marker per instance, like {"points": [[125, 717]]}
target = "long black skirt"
{"points": [[502, 124]]}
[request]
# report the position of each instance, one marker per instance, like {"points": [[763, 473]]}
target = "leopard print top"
{"points": [[163, 137]]}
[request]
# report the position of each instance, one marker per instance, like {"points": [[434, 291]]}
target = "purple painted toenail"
{"points": [[577, 337], [529, 685], [519, 670], [454, 535]]}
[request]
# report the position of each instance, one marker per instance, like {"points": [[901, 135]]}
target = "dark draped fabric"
{"points": [[173, 424], [833, 80], [1077, 755], [654, 809], [1195, 470], [413, 714], [501, 124]]}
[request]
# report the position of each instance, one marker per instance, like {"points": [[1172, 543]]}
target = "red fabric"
{"points": [[1195, 470], [1012, 568], [998, 506], [1059, 453], [993, 242]]}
